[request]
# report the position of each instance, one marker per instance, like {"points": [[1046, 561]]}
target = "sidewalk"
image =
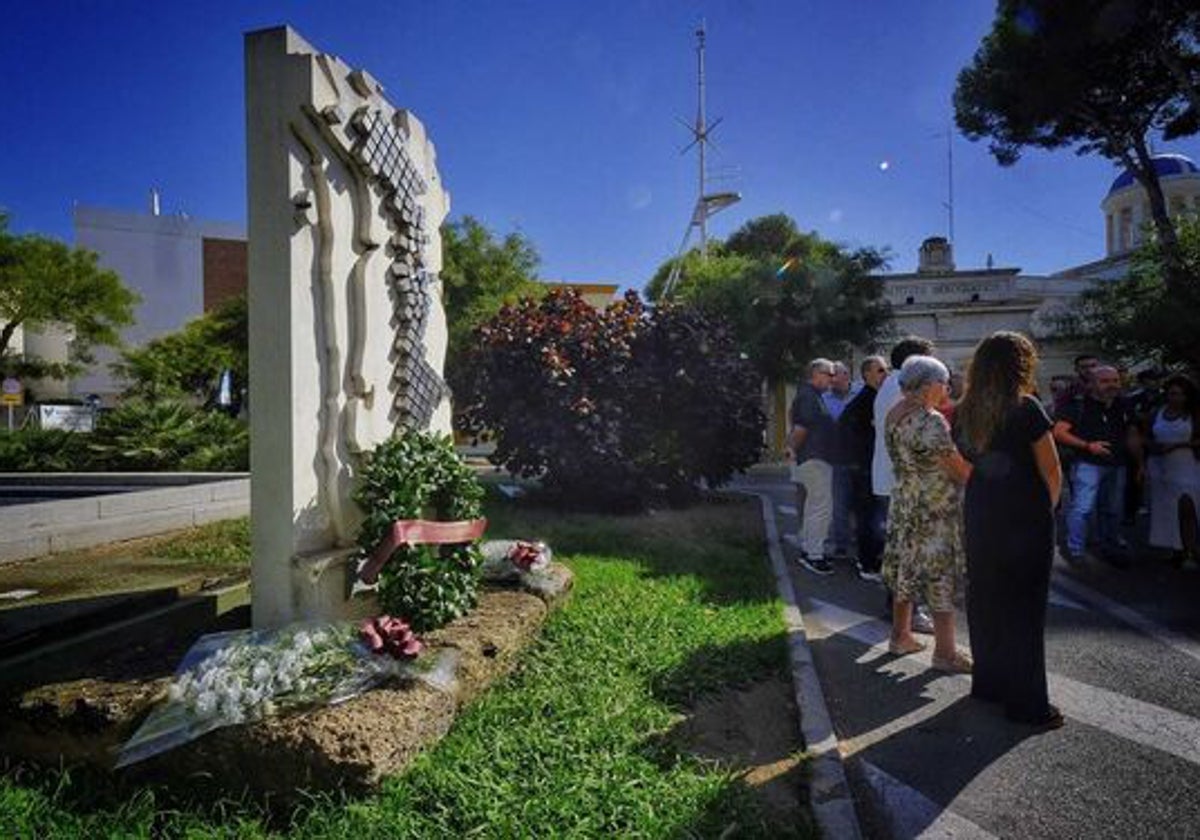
{"points": [[924, 760]]}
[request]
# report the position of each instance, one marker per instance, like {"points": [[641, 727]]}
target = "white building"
{"points": [[180, 266], [1127, 219], [955, 308]]}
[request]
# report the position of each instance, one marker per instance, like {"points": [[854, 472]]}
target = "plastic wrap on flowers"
{"points": [[247, 675], [523, 562]]}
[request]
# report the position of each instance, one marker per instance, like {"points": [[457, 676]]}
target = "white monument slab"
{"points": [[347, 330]]}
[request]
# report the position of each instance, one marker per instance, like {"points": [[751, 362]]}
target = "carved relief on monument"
{"points": [[355, 142]]}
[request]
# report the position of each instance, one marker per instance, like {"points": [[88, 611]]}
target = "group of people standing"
{"points": [[1125, 449], [955, 485]]}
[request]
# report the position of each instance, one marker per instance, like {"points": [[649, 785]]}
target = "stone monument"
{"points": [[347, 330]]}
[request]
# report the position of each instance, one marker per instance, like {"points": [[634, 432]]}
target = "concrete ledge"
{"points": [[173, 501], [120, 479], [24, 547], [101, 531]]}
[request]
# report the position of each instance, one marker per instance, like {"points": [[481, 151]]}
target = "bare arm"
{"points": [[796, 438], [1063, 434], [1046, 455], [955, 466]]}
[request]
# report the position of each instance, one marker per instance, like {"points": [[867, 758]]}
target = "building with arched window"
{"points": [[1127, 206]]}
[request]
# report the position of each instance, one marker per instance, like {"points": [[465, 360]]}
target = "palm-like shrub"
{"points": [[168, 436], [42, 450]]}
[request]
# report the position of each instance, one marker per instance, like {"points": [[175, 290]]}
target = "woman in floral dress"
{"points": [[923, 558]]}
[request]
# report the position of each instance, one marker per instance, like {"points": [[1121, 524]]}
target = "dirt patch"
{"points": [[755, 730]]}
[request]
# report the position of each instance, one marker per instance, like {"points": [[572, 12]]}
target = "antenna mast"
{"points": [[706, 205], [950, 179], [700, 132]]}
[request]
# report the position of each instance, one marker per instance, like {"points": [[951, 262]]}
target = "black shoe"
{"points": [[816, 565], [1116, 559], [1052, 718]]}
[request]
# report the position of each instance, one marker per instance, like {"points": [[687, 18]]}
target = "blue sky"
{"points": [[558, 119]]}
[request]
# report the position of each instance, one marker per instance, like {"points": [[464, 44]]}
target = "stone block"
{"points": [[220, 491], [120, 528], [126, 504], [217, 511], [22, 548], [324, 587], [19, 518]]}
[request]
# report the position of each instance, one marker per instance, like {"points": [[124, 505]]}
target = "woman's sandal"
{"points": [[904, 650], [960, 663]]}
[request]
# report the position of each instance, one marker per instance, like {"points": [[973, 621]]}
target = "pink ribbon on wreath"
{"points": [[419, 532]]}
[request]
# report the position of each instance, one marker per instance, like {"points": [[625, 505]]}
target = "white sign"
{"points": [[70, 418]]}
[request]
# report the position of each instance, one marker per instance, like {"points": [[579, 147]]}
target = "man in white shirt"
{"points": [[882, 476]]}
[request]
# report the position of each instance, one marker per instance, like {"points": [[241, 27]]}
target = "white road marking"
{"points": [[1122, 613], [1143, 723], [1134, 720], [911, 814], [1057, 599]]}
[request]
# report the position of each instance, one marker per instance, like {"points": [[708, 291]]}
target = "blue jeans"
{"points": [[1092, 484], [839, 539]]}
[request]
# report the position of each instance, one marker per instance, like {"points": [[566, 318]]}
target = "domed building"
{"points": [[1127, 207], [1127, 219]]}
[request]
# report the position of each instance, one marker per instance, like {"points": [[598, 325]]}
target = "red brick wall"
{"points": [[225, 270]]}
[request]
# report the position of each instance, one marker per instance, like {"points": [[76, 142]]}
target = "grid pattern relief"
{"points": [[380, 148]]}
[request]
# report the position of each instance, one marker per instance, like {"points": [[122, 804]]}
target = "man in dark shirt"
{"points": [[1099, 429], [812, 440], [856, 441], [1084, 365]]}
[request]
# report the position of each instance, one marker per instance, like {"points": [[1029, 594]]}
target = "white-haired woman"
{"points": [[923, 557]]}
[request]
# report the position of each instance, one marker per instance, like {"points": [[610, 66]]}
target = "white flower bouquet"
{"points": [[248, 675]]}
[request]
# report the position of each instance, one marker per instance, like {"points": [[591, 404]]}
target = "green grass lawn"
{"points": [[583, 740]]}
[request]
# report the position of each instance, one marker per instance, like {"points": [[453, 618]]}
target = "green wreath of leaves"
{"points": [[418, 475]]}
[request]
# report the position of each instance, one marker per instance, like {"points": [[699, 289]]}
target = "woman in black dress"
{"points": [[1008, 527]]}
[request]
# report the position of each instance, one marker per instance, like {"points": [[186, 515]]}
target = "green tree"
{"points": [[43, 281], [1137, 318], [189, 361], [1101, 76], [764, 237], [788, 296], [480, 274]]}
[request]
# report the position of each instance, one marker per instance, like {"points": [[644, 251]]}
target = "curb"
{"points": [[829, 792]]}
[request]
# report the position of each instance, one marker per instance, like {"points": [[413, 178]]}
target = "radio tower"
{"points": [[707, 204]]}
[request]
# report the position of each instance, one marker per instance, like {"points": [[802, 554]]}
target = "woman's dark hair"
{"points": [[1191, 396], [1001, 370]]}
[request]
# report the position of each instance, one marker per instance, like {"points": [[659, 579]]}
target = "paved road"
{"points": [[1123, 652]]}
